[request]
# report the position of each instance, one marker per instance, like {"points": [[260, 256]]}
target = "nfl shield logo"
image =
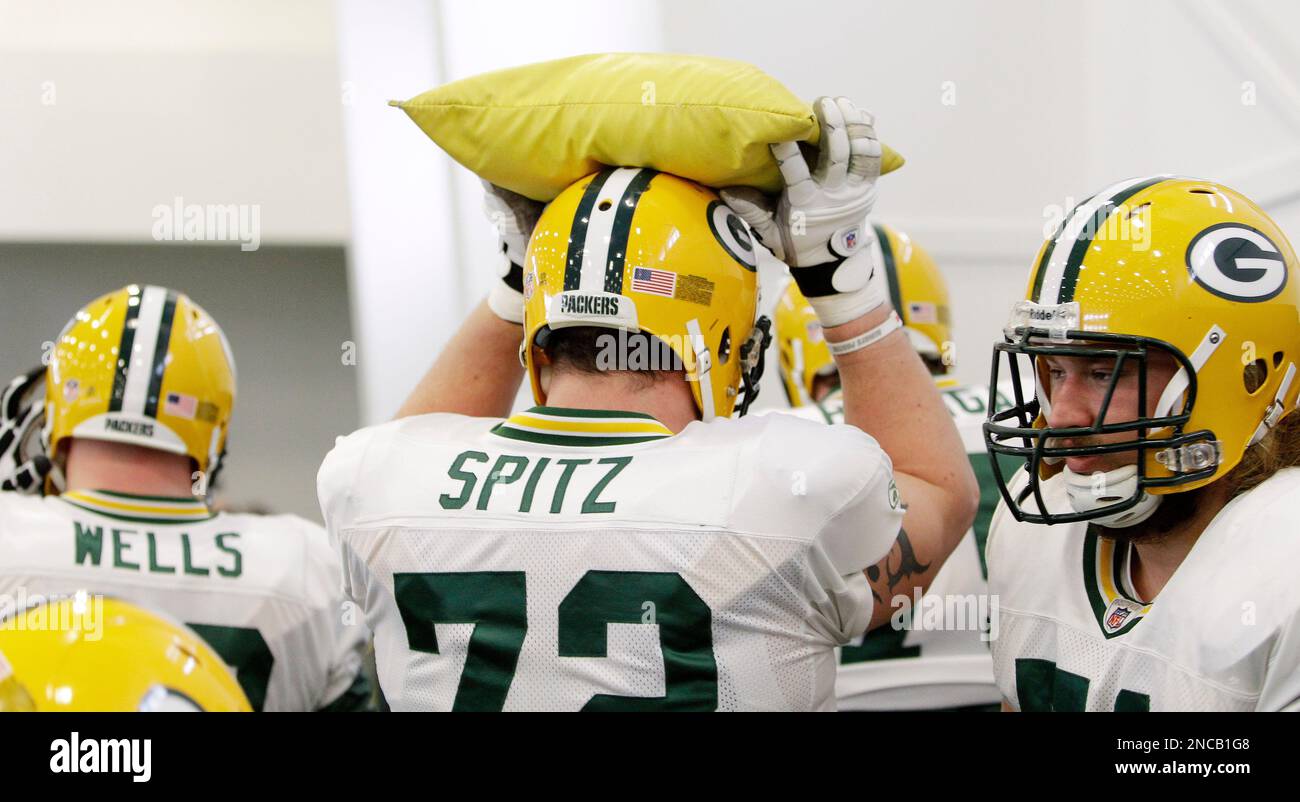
{"points": [[1116, 618], [851, 240], [1118, 614]]}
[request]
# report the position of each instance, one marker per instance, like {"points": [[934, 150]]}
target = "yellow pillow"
{"points": [[538, 128]]}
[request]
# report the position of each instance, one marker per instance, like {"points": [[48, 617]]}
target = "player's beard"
{"points": [[1174, 511]]}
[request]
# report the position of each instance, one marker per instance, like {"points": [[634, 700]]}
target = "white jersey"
{"points": [[1223, 634], [571, 559], [930, 663], [263, 591]]}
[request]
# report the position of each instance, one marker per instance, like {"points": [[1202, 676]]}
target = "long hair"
{"points": [[1279, 449]]}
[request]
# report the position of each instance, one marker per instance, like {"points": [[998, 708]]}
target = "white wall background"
{"points": [[109, 109], [283, 104]]}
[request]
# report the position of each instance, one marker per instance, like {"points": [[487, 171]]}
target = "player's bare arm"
{"points": [[889, 394], [818, 227]]}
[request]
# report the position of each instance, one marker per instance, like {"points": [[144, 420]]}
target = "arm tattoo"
{"points": [[907, 564], [900, 564], [873, 574]]}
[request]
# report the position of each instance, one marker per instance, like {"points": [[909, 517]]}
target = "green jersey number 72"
{"points": [[495, 602]]}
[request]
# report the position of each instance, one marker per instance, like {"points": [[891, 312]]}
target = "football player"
{"points": [[945, 663], [1144, 552], [625, 544], [138, 395]]}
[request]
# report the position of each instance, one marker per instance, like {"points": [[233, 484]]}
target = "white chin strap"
{"points": [[1093, 491]]}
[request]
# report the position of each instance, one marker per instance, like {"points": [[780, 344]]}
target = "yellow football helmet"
{"points": [[802, 353], [90, 653], [14, 698], [1182, 266], [642, 251], [917, 290], [143, 365], [919, 294]]}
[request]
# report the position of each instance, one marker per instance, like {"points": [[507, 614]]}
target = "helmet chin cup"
{"points": [[1102, 489]]}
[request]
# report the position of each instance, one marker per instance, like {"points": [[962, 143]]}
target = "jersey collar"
{"points": [[146, 509], [1105, 578], [558, 426]]}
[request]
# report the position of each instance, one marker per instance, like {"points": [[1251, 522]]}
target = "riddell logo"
{"points": [[95, 756], [126, 427]]}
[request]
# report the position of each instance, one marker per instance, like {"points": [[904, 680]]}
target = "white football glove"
{"points": [[514, 217], [23, 465], [819, 224]]}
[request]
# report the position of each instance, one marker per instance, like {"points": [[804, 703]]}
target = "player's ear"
{"points": [[544, 369]]}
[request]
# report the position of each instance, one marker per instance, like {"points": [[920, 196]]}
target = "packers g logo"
{"points": [[1237, 262], [732, 234]]}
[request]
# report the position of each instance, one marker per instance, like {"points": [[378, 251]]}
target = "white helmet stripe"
{"points": [[600, 227], [143, 348], [1074, 226]]}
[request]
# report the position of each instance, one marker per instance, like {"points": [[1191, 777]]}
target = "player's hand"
{"points": [[514, 217], [818, 225], [23, 465]]}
